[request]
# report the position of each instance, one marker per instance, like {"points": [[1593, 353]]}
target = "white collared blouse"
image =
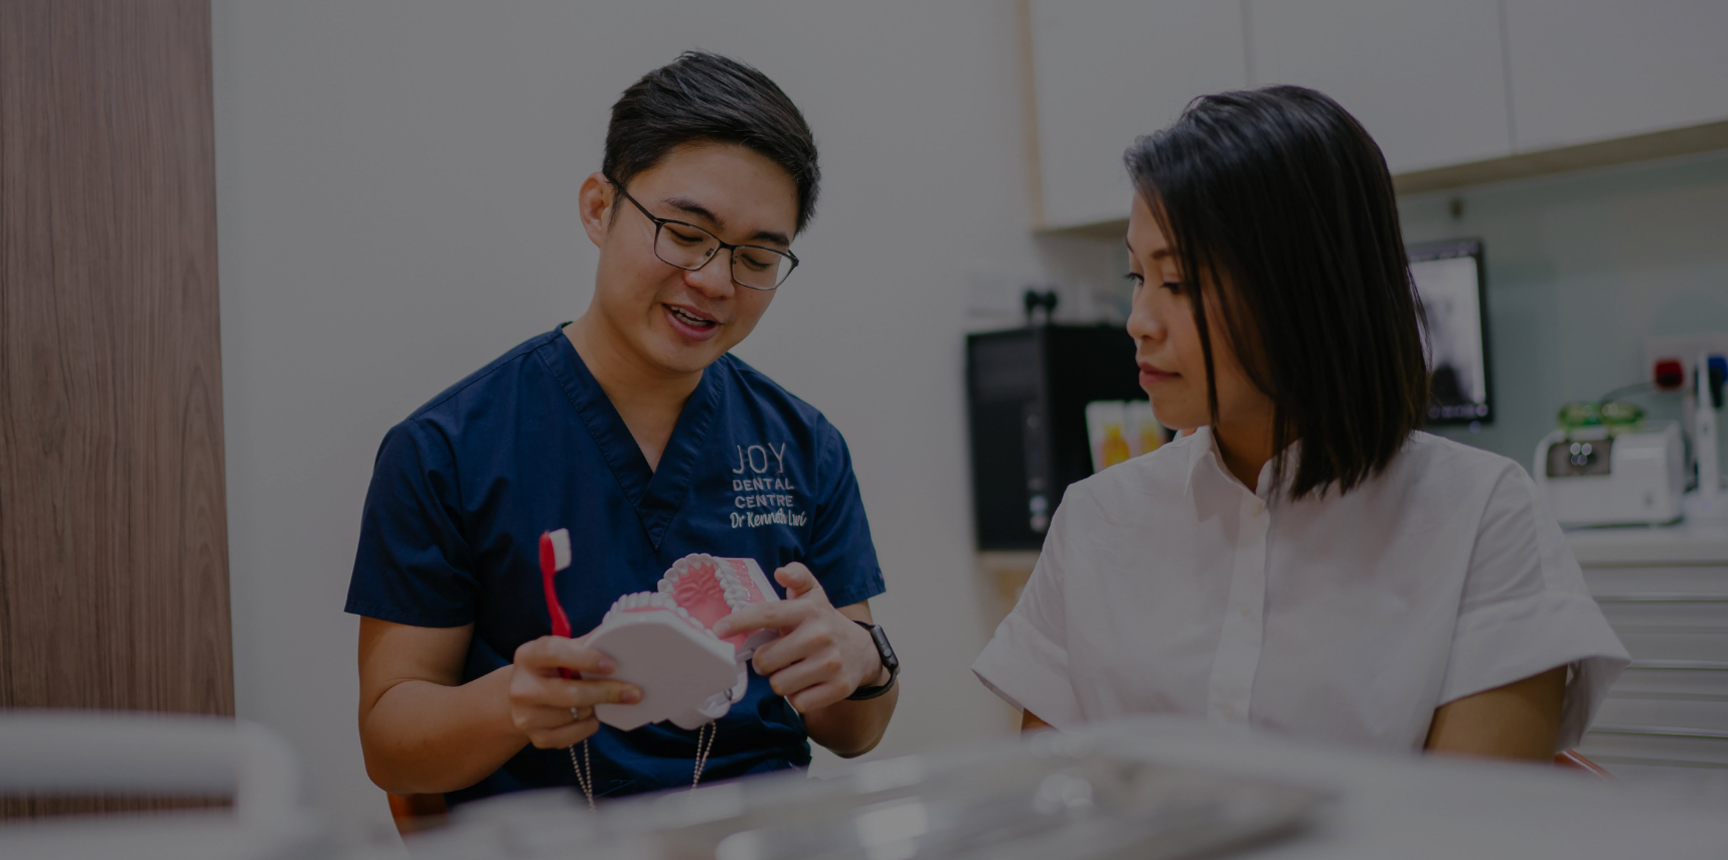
{"points": [[1166, 586]]}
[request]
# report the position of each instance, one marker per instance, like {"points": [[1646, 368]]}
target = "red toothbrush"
{"points": [[555, 556]]}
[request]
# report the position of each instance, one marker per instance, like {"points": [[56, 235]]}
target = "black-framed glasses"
{"points": [[686, 246]]}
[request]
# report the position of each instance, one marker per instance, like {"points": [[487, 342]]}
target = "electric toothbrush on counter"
{"points": [[1707, 503]]}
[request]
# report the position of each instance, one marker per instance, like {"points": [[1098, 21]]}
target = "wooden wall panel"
{"points": [[113, 546]]}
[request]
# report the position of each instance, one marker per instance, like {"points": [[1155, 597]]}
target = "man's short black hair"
{"points": [[702, 97], [1280, 210]]}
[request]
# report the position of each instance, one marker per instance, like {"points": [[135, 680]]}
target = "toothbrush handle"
{"points": [[560, 621]]}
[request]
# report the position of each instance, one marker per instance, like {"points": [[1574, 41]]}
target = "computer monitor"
{"points": [[1448, 277]]}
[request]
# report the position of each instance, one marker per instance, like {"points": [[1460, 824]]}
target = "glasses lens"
{"points": [[759, 267], [684, 246]]}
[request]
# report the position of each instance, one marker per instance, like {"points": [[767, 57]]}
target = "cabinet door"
{"points": [[1586, 70], [113, 520], [1107, 71], [1426, 79]]}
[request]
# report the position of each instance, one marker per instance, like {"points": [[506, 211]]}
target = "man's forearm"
{"points": [[849, 728], [426, 738]]}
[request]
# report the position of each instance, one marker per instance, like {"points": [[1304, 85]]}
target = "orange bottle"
{"points": [[1115, 447]]}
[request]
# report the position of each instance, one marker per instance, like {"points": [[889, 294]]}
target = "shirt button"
{"points": [[1259, 508], [1243, 608], [1228, 711]]}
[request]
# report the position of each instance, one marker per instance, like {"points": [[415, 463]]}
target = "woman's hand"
{"points": [[821, 656], [555, 712]]}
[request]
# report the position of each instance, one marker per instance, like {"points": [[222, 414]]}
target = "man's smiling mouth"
{"points": [[689, 318]]}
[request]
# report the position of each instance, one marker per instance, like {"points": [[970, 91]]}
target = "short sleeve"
{"points": [[1026, 662], [1525, 609], [413, 564], [840, 552]]}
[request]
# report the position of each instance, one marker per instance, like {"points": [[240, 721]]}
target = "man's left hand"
{"points": [[821, 656]]}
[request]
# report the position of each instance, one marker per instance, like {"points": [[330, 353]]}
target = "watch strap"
{"points": [[890, 661]]}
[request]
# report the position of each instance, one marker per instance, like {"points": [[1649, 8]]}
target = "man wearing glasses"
{"points": [[634, 429]]}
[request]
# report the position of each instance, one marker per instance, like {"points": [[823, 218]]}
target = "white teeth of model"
{"points": [[639, 600]]}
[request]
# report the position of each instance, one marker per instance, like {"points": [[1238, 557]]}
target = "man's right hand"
{"points": [[553, 712]]}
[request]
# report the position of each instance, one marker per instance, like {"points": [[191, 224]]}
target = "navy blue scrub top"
{"points": [[463, 488]]}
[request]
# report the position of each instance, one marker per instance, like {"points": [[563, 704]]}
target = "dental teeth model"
{"points": [[663, 642], [712, 588]]}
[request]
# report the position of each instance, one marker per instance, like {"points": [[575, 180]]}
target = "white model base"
{"points": [[678, 667], [663, 642]]}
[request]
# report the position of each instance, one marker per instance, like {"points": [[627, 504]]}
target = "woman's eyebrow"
{"points": [[1160, 254]]}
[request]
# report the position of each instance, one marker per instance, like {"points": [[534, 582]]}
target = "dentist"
{"points": [[634, 428]]}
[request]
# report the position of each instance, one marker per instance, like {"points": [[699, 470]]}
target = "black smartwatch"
{"points": [[889, 662]]}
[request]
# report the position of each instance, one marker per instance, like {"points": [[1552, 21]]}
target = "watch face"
{"points": [[889, 662], [889, 659]]}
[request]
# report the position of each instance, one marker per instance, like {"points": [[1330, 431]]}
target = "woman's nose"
{"points": [[1143, 323]]}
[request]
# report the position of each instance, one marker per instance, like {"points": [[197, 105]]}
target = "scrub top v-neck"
{"points": [[463, 488]]}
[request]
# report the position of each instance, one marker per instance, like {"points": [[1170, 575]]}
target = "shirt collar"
{"points": [[657, 494], [1201, 450], [1203, 457]]}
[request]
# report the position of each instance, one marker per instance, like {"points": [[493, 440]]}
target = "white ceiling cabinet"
{"points": [[1455, 92], [1588, 70], [1426, 79], [1107, 71]]}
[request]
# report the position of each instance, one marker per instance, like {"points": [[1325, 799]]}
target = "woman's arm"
{"points": [[1518, 721], [423, 732]]}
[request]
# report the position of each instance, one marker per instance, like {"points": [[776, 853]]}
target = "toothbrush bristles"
{"points": [[560, 549]]}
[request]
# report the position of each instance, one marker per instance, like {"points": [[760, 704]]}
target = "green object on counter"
{"points": [[1619, 413], [1579, 413], [1614, 415]]}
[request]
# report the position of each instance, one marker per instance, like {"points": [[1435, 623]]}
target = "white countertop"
{"points": [[1685, 543], [1401, 806], [1413, 807]]}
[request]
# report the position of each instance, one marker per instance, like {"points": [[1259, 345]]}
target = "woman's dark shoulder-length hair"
{"points": [[1280, 210]]}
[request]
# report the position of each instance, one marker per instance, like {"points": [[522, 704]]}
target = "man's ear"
{"points": [[595, 204]]}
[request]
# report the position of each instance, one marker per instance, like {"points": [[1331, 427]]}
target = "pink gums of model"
{"points": [[697, 591], [711, 588]]}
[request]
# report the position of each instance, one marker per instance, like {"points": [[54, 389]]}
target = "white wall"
{"points": [[1582, 268], [396, 185]]}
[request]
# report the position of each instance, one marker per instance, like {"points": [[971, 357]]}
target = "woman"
{"points": [[1306, 560]]}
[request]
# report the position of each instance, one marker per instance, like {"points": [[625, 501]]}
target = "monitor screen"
{"points": [[1448, 277]]}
